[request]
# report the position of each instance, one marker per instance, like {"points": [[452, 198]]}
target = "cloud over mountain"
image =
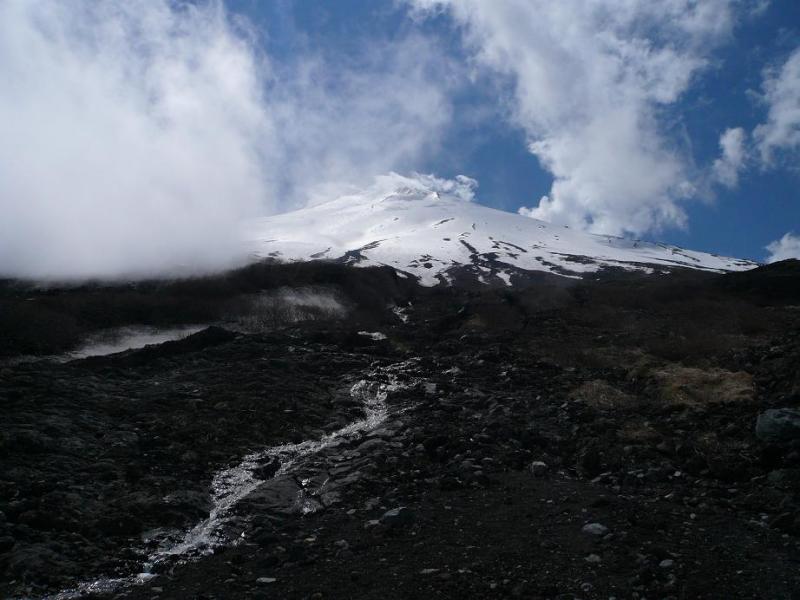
{"points": [[591, 82], [786, 247], [137, 134]]}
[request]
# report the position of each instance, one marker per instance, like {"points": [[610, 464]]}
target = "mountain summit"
{"points": [[430, 229]]}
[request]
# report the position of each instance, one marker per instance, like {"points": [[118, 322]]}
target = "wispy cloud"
{"points": [[343, 124], [780, 133], [775, 142], [136, 134], [733, 155], [591, 82]]}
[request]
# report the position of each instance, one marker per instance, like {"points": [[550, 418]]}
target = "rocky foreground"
{"points": [[633, 438]]}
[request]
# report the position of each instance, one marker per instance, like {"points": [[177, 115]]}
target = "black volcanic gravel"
{"points": [[588, 442]]}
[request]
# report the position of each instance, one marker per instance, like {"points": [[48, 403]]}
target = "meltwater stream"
{"points": [[230, 486]]}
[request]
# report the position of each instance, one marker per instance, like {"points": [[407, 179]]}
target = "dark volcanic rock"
{"points": [[398, 517], [530, 414], [779, 426]]}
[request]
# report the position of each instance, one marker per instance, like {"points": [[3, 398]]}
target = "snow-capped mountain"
{"points": [[430, 229]]}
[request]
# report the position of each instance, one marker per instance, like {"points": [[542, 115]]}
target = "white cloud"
{"points": [[727, 167], [759, 7], [591, 81], [786, 247], [342, 125], [781, 131], [461, 186], [128, 136], [136, 134]]}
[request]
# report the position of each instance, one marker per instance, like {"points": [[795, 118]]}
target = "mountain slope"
{"points": [[429, 229]]}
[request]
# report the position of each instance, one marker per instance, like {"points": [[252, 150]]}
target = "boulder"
{"points": [[778, 426]]}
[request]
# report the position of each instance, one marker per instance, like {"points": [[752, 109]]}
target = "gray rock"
{"points": [[778, 426], [785, 478], [593, 559], [281, 495], [538, 468], [595, 529], [398, 517], [189, 501], [371, 445]]}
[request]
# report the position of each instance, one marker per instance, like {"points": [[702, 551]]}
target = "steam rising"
{"points": [[270, 310]]}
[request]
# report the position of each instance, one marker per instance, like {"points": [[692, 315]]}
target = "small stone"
{"points": [[428, 571], [398, 517], [595, 529], [265, 580], [593, 559], [538, 468], [667, 563]]}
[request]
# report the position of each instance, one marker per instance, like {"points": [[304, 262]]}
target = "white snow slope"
{"points": [[425, 227]]}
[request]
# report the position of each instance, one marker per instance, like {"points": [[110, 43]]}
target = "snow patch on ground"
{"points": [[373, 335]]}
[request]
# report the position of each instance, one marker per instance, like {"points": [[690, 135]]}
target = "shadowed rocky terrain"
{"points": [[633, 436]]}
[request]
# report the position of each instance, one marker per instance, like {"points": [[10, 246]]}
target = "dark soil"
{"points": [[626, 404]]}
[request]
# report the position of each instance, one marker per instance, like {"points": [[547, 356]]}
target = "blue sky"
{"points": [[137, 135], [741, 221]]}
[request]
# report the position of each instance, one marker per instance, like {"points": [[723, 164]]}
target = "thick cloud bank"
{"points": [[130, 137], [591, 81], [135, 135]]}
